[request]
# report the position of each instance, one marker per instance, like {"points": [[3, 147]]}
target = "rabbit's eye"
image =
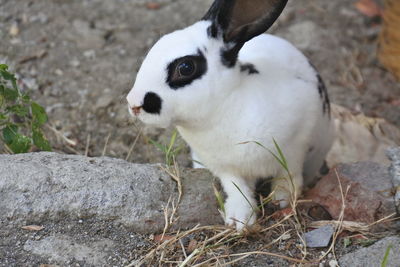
{"points": [[186, 68]]}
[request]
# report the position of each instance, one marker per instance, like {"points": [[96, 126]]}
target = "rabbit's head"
{"points": [[187, 74]]}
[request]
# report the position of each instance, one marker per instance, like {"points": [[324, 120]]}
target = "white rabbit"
{"points": [[222, 82]]}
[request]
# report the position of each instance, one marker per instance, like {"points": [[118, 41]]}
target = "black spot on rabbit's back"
{"points": [[249, 68], [323, 92], [152, 103]]}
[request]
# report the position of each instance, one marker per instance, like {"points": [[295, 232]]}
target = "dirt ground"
{"points": [[79, 59], [127, 246]]}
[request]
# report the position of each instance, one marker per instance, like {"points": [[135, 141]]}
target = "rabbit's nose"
{"points": [[136, 110]]}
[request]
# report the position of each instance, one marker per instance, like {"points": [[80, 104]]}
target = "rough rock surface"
{"points": [[373, 255], [62, 248], [361, 138], [368, 198], [49, 186], [394, 155], [319, 238]]}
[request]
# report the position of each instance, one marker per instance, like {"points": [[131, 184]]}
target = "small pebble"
{"points": [[286, 237], [40, 17], [74, 63], [33, 72], [91, 54], [333, 263], [30, 83], [15, 41], [58, 72], [122, 52], [14, 30], [319, 238]]}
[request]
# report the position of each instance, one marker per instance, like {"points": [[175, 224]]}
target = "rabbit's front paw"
{"points": [[239, 213]]}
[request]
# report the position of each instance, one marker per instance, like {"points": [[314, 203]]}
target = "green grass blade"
{"points": [[172, 141], [220, 199], [277, 158], [177, 150], [281, 156], [386, 257], [248, 201], [158, 145]]}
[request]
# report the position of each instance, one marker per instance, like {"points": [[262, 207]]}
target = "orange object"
{"points": [[368, 8], [389, 41]]}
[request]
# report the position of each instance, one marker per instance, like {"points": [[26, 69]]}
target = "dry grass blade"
{"points": [[224, 235], [169, 215], [355, 227], [133, 145], [204, 263], [385, 219], [229, 263], [33, 227], [345, 225], [273, 255], [105, 145], [183, 248], [188, 259], [175, 175], [277, 224], [62, 136], [7, 150], [87, 145], [247, 254]]}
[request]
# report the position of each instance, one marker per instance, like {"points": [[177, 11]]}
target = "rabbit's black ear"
{"points": [[238, 21]]}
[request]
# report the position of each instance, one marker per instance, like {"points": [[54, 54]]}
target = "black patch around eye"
{"points": [[183, 71], [152, 103]]}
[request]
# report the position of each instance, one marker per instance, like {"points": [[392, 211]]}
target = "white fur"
{"points": [[227, 107]]}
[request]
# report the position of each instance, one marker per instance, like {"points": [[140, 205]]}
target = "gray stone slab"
{"points": [[373, 255], [49, 186]]}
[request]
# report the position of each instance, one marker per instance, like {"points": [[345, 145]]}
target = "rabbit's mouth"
{"points": [[136, 110]]}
